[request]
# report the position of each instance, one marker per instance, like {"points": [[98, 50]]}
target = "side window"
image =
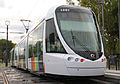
{"points": [[12, 56], [16, 52], [40, 41], [22, 50], [32, 44], [36, 42], [53, 43]]}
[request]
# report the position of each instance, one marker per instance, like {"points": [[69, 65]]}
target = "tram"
{"points": [[66, 42]]}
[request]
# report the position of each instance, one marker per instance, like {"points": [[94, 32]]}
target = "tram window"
{"points": [[53, 43], [40, 41], [22, 50], [16, 52], [30, 51], [52, 38], [36, 42]]}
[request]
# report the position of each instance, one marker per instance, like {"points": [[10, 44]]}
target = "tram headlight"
{"points": [[69, 58], [77, 59]]}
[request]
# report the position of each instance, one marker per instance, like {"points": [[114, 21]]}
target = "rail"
{"points": [[4, 77]]}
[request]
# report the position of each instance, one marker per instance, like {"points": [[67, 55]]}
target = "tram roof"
{"points": [[50, 14], [51, 11]]}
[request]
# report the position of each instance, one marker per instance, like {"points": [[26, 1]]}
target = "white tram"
{"points": [[66, 42]]}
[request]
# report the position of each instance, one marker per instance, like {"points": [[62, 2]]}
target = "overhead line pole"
{"points": [[103, 30], [103, 27], [119, 22], [119, 30], [25, 26]]}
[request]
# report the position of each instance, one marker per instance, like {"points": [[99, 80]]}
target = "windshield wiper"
{"points": [[73, 37], [88, 52]]}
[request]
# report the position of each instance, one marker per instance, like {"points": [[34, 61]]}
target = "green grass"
{"points": [[3, 64]]}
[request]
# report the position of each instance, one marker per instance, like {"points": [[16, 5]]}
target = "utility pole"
{"points": [[103, 26], [26, 26], [6, 58], [102, 3], [119, 21], [119, 29]]}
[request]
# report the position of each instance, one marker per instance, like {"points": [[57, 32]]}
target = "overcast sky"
{"points": [[14, 10]]}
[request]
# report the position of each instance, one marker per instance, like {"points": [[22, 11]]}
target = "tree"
{"points": [[70, 2], [111, 26], [111, 21], [3, 48]]}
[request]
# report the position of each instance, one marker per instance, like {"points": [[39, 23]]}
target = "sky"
{"points": [[15, 10]]}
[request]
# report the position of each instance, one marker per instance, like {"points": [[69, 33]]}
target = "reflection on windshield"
{"points": [[79, 31]]}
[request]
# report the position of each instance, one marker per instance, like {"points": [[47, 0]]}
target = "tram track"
{"points": [[18, 76], [5, 79]]}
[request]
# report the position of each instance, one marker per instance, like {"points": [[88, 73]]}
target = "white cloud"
{"points": [[2, 4], [14, 10]]}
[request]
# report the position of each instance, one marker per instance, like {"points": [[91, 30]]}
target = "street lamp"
{"points": [[7, 23]]}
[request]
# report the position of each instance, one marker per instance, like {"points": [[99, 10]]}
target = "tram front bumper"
{"points": [[78, 71]]}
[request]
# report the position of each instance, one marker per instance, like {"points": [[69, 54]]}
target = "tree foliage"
{"points": [[70, 2], [3, 48], [110, 21]]}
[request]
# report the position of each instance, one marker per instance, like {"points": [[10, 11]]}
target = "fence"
{"points": [[114, 62]]}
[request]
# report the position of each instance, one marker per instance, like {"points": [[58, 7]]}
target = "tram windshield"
{"points": [[79, 30]]}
